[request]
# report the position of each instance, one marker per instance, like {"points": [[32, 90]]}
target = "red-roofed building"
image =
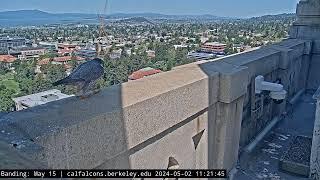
{"points": [[58, 60], [143, 73], [65, 52], [65, 59], [67, 49], [7, 60], [43, 61], [213, 47], [31, 52], [67, 46]]}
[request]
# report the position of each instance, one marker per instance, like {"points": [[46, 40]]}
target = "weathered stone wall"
{"points": [[287, 61], [314, 74], [307, 27], [315, 155]]}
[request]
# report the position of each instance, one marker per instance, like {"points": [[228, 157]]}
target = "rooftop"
{"points": [[11, 38], [41, 98], [7, 58], [68, 58], [203, 54], [214, 44], [143, 72], [43, 61], [29, 48]]}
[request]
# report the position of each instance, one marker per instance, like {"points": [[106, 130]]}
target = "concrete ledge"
{"points": [[286, 56], [233, 79], [297, 46], [261, 61]]}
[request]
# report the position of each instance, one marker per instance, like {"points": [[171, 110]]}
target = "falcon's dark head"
{"points": [[98, 60]]}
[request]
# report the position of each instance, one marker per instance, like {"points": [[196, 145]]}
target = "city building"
{"points": [[128, 52], [50, 47], [180, 46], [29, 52], [67, 46], [151, 53], [8, 43], [65, 59], [65, 52], [204, 39], [143, 73], [41, 98], [67, 49], [41, 63], [115, 54], [86, 53], [241, 47], [199, 56], [7, 60], [60, 61], [213, 47]]}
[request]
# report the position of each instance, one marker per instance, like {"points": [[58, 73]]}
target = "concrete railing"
{"points": [[198, 113]]}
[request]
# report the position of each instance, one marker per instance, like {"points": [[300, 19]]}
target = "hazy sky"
{"points": [[234, 8]]}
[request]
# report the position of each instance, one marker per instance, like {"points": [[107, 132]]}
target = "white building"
{"points": [[37, 99], [201, 56], [180, 46], [51, 47]]}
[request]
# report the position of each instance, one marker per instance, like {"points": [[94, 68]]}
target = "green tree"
{"points": [[53, 72], [3, 68], [6, 103], [40, 84]]}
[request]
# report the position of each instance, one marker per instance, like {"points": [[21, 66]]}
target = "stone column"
{"points": [[225, 118], [315, 153], [308, 20], [227, 134], [307, 27]]}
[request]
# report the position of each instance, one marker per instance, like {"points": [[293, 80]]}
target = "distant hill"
{"points": [[23, 14], [36, 14], [135, 20], [275, 17], [37, 17], [126, 15]]}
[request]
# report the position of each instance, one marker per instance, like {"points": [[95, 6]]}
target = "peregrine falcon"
{"points": [[83, 76]]}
